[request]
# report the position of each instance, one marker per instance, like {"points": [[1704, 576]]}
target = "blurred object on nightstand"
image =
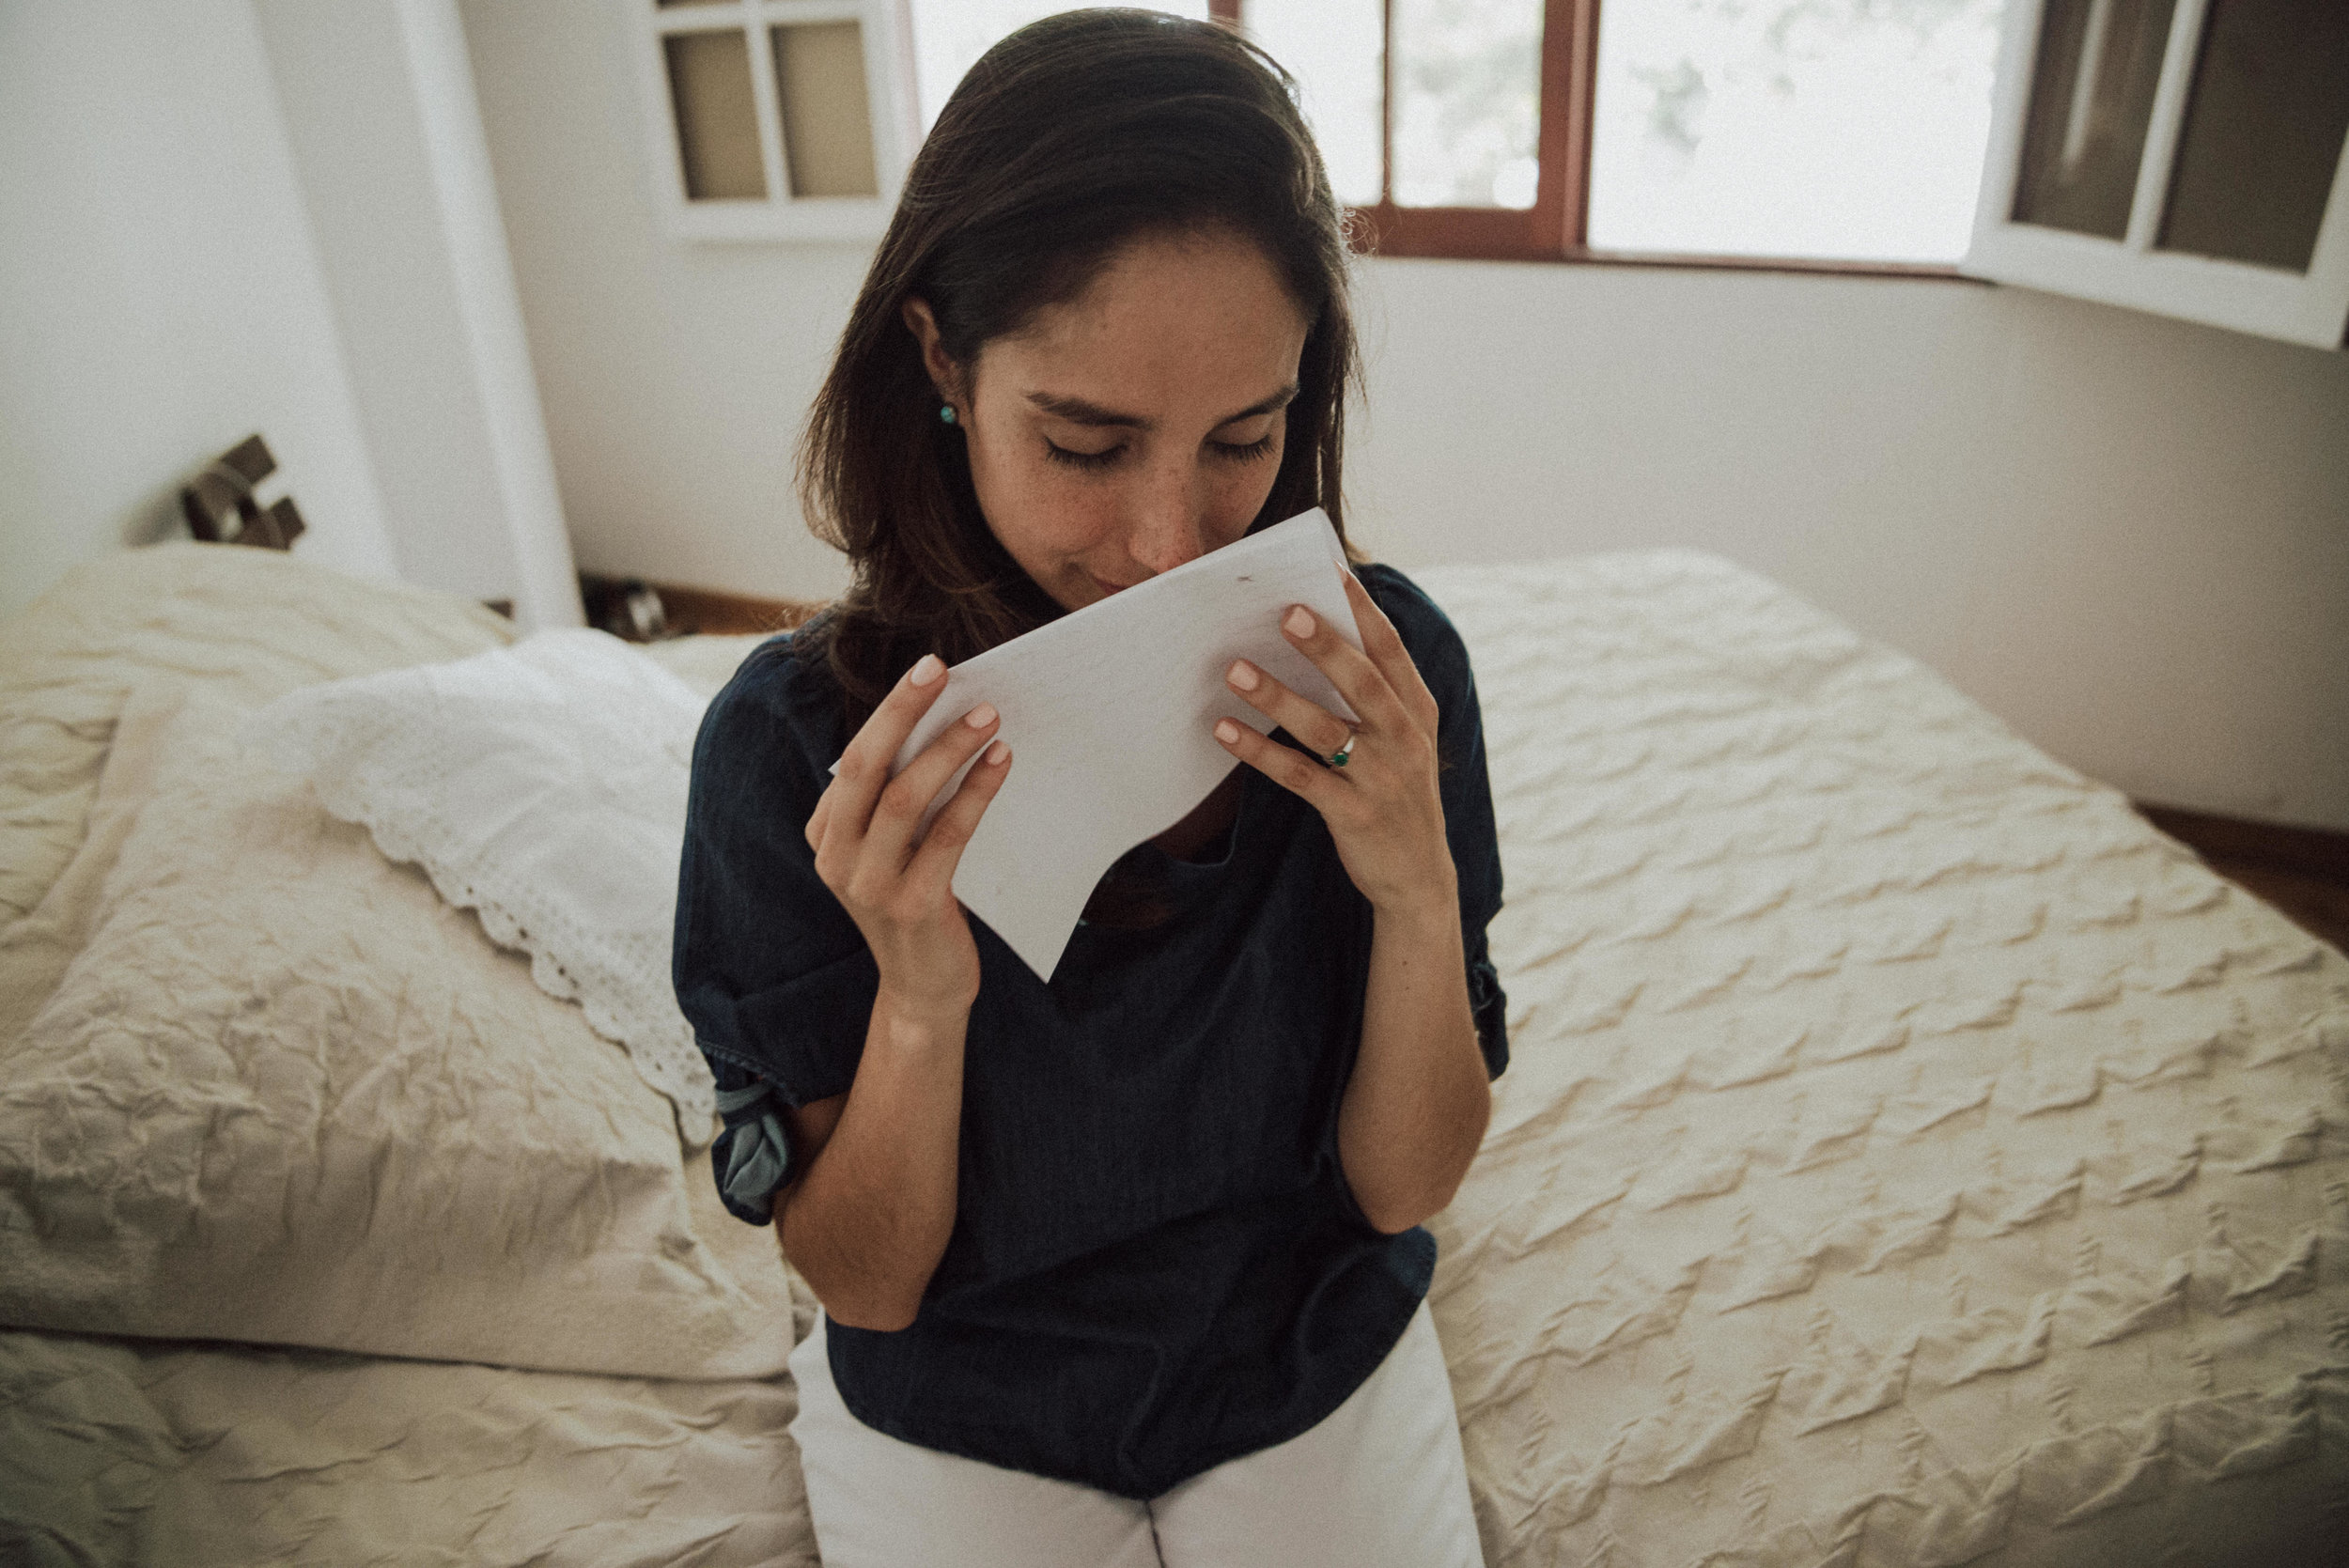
{"points": [[629, 609], [637, 611]]}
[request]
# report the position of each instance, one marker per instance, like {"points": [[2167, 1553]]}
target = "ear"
{"points": [[944, 374]]}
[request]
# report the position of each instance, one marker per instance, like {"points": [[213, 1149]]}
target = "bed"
{"points": [[1909, 1155]]}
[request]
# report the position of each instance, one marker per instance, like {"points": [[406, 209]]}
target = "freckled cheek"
{"points": [[1242, 494], [1041, 513], [1067, 530]]}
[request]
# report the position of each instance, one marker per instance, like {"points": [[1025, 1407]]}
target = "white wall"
{"points": [[674, 376], [2127, 536], [160, 293], [350, 118], [378, 104]]}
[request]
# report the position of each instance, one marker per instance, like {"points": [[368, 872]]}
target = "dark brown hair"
{"points": [[1068, 140]]}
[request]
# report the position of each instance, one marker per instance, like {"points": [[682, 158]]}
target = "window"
{"points": [[1843, 129], [1448, 125], [782, 119], [1770, 132], [2181, 156], [1752, 129], [1740, 131]]}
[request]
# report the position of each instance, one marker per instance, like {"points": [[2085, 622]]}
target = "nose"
{"points": [[1167, 524]]}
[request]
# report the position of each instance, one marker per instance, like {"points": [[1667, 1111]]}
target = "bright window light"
{"points": [[1337, 49], [1468, 101], [1845, 128]]}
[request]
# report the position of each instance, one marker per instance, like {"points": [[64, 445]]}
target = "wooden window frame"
{"points": [[1557, 226]]}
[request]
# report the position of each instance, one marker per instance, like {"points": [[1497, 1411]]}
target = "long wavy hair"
{"points": [[1068, 140]]}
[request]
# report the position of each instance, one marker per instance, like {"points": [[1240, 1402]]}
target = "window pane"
{"points": [[1335, 50], [2092, 97], [2264, 133], [1467, 86], [717, 128], [827, 130], [1851, 128], [949, 36]]}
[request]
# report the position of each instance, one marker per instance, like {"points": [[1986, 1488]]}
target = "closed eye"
{"points": [[1060, 454], [1240, 452]]}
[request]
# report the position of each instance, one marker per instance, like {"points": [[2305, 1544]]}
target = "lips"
{"points": [[1110, 587]]}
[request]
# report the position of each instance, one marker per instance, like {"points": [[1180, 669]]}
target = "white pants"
{"points": [[1380, 1481]]}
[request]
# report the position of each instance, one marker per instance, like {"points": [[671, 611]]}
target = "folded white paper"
{"points": [[1109, 712]]}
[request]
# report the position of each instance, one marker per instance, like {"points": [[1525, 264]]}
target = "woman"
{"points": [[1124, 1268]]}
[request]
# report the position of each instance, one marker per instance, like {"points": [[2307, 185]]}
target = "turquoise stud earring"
{"points": [[945, 413]]}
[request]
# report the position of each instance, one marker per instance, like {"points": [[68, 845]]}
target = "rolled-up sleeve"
{"points": [[769, 971], [1437, 648], [1467, 810]]}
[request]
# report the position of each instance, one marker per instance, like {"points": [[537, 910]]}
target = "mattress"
{"points": [[258, 1083], [181, 1455], [1909, 1155]]}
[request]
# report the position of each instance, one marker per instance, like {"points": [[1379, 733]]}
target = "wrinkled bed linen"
{"points": [[248, 624], [542, 786], [1907, 1155], [124, 1450], [114, 1452], [705, 664], [286, 1095]]}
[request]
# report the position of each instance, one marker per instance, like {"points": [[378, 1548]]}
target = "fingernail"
{"points": [[998, 755], [980, 717], [1300, 622], [1226, 730], [1242, 675], [928, 670]]}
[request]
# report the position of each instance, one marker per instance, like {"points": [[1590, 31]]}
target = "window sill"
{"points": [[1500, 234]]}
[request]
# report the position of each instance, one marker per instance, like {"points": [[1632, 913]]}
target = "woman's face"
{"points": [[1138, 425]]}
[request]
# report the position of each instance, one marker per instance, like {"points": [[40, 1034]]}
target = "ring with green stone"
{"points": [[1337, 759]]}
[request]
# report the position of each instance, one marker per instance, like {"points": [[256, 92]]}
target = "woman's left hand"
{"points": [[1382, 807]]}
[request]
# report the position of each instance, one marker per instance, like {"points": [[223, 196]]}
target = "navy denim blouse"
{"points": [[1155, 1264]]}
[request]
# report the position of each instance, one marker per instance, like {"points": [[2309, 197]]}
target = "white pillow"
{"points": [[543, 786], [287, 1093]]}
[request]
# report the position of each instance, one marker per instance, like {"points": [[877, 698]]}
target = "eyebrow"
{"points": [[1078, 412]]}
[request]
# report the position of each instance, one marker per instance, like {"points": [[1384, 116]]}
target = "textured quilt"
{"points": [[239, 1456], [260, 1084], [1908, 1156]]}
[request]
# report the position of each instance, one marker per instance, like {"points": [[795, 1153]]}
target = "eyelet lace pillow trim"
{"points": [[543, 788]]}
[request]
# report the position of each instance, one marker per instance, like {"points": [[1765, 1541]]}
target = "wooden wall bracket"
{"points": [[220, 507]]}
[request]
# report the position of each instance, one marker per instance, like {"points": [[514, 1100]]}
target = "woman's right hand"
{"points": [[896, 880]]}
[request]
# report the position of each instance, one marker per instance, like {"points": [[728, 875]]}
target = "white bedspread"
{"points": [[1908, 1156], [264, 1086], [237, 1456]]}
